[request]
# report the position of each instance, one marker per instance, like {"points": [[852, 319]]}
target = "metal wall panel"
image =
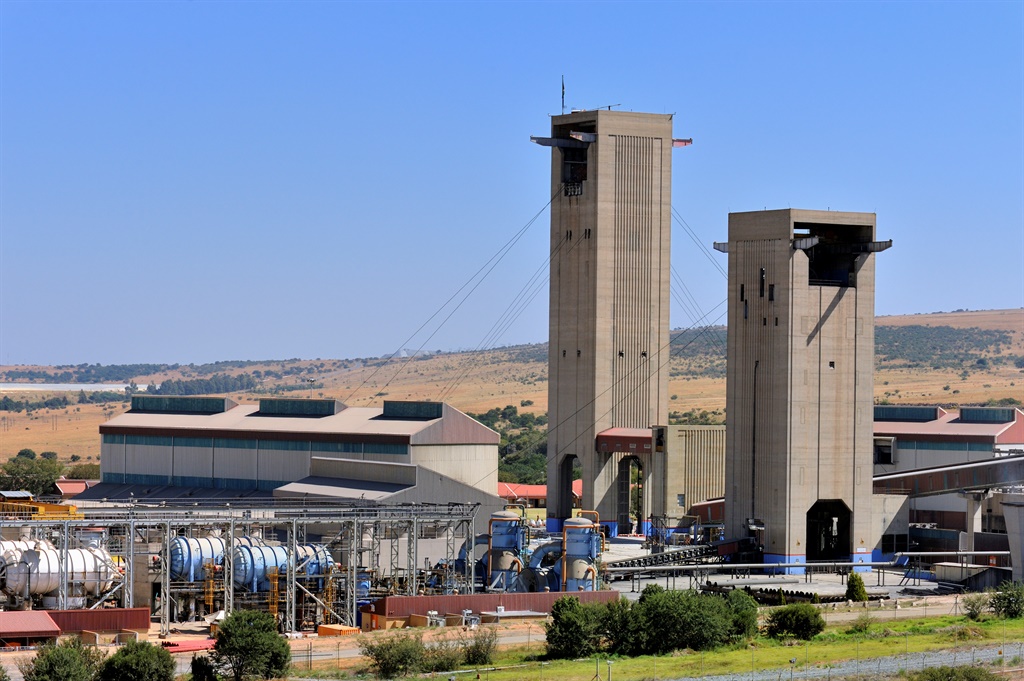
{"points": [[107, 619], [403, 606], [232, 463], [149, 460], [281, 465], [193, 462]]}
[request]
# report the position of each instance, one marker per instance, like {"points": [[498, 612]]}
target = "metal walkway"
{"points": [[923, 482], [684, 556]]}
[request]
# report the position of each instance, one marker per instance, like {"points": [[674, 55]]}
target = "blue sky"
{"points": [[196, 181]]}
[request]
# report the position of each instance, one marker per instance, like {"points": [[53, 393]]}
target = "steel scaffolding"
{"points": [[134, 530]]}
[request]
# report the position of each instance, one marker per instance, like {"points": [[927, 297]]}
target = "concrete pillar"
{"points": [[975, 508], [1013, 512]]}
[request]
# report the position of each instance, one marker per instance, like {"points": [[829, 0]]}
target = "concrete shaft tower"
{"points": [[799, 382], [609, 309]]}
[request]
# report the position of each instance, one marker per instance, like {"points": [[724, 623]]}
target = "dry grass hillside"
{"points": [[943, 358]]}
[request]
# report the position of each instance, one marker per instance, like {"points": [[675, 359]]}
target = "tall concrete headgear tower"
{"points": [[608, 352], [799, 382]]}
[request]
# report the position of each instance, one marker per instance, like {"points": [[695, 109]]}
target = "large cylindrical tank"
{"points": [[189, 555], [89, 571], [24, 545], [508, 534], [315, 560], [582, 544], [251, 563]]}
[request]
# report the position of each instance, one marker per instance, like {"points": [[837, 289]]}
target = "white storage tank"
{"points": [[89, 571]]}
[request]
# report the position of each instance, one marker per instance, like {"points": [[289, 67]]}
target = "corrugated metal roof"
{"points": [[359, 422], [27, 624], [115, 491], [15, 494], [101, 619], [339, 488], [946, 426]]}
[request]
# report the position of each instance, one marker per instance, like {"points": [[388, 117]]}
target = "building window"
{"points": [[883, 452]]}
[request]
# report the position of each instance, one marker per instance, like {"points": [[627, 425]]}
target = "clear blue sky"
{"points": [[195, 181]]}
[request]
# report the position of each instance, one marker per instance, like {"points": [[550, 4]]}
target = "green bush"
{"points": [[801, 620], [855, 590], [394, 656], [69, 660], [138, 660], [481, 648], [444, 656], [975, 605], [744, 613], [954, 674], [862, 624], [203, 669], [4, 676], [573, 629], [671, 620], [621, 628], [247, 644], [1008, 600]]}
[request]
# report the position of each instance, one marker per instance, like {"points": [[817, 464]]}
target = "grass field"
{"points": [[838, 643], [476, 382]]}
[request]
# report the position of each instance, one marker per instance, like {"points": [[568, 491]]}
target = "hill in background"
{"points": [[943, 358]]}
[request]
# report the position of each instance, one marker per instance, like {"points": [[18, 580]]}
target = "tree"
{"points": [[801, 620], [51, 456], [32, 475], [138, 660], [69, 660], [744, 613], [572, 629], [26, 453], [84, 471], [855, 590], [1008, 600], [248, 645], [394, 656]]}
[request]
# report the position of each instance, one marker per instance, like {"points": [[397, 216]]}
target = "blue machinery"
{"points": [[565, 564]]}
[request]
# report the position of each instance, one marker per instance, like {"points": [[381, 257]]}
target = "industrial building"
{"points": [[611, 175], [799, 382], [174, 447]]}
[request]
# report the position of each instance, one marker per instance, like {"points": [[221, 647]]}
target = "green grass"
{"points": [[884, 638]]}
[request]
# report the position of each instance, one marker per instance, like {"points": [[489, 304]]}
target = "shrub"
{"points": [[572, 629], [4, 676], [480, 650], [1008, 600], [138, 660], [394, 656], [954, 674], [801, 621], [69, 660], [444, 656], [975, 605], [683, 619], [203, 669], [855, 590], [744, 613], [862, 624], [247, 644], [621, 628]]}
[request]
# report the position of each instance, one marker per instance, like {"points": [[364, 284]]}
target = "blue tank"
{"points": [[189, 556], [251, 563], [581, 547], [504, 556], [314, 560]]}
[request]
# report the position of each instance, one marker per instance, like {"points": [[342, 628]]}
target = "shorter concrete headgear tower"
{"points": [[799, 383]]}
